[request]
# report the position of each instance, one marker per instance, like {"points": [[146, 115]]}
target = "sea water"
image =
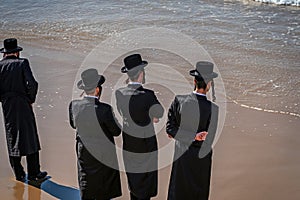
{"points": [[256, 46], [282, 2]]}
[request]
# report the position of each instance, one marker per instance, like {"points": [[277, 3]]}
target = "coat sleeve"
{"points": [[71, 116], [118, 101], [30, 83], [111, 123], [212, 130], [156, 109], [173, 124]]}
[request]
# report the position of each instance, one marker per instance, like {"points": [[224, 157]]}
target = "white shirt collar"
{"points": [[134, 83], [199, 94], [90, 96]]}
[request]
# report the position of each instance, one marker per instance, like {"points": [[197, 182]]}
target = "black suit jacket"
{"points": [[18, 90], [189, 115], [138, 106], [191, 170], [96, 127], [17, 79]]}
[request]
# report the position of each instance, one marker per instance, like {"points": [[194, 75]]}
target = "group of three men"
{"points": [[192, 122]]}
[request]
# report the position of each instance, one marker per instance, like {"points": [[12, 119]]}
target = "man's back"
{"points": [[96, 126], [195, 112], [90, 116], [16, 78], [190, 114], [135, 103], [138, 106]]}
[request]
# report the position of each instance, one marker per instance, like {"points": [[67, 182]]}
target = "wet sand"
{"points": [[255, 157]]}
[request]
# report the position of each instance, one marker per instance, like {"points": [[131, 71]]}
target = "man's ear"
{"points": [[208, 86], [97, 91], [195, 83], [141, 76]]}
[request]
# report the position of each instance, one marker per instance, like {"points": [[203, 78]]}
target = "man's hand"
{"points": [[201, 136], [170, 136], [155, 120]]}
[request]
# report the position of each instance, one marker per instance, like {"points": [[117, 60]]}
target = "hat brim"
{"points": [[3, 50], [125, 69], [204, 76], [81, 86]]}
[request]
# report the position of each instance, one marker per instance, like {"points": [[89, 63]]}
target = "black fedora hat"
{"points": [[133, 62], [10, 46], [90, 79], [204, 71]]}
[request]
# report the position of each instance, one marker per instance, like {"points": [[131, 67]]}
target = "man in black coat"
{"points": [[95, 124], [192, 122], [139, 109], [18, 90]]}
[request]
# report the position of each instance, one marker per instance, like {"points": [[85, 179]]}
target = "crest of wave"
{"points": [[282, 2]]}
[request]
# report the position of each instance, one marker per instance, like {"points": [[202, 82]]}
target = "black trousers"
{"points": [[33, 165], [132, 197]]}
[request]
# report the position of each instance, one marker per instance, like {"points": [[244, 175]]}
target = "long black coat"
{"points": [[138, 106], [96, 127], [191, 170], [18, 90]]}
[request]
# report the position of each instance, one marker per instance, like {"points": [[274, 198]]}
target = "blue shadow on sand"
{"points": [[57, 191]]}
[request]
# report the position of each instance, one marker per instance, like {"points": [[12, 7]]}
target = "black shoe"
{"points": [[21, 177], [40, 176]]}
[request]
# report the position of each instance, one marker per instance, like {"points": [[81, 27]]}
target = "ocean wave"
{"points": [[281, 2]]}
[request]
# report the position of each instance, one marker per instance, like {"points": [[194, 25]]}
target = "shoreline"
{"points": [[255, 151], [247, 157]]}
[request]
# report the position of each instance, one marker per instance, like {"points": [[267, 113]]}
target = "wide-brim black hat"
{"points": [[204, 71], [133, 62], [90, 79], [10, 46]]}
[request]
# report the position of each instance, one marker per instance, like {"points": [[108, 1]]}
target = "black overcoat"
{"points": [[98, 173], [18, 90], [138, 106], [191, 170]]}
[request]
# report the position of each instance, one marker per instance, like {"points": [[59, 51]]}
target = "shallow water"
{"points": [[255, 46]]}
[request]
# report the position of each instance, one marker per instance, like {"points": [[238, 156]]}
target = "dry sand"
{"points": [[255, 157]]}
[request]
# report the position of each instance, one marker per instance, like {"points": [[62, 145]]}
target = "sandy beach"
{"points": [[255, 48], [255, 157]]}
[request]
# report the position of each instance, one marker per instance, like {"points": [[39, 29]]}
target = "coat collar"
{"points": [[10, 57], [199, 97], [135, 86], [91, 99]]}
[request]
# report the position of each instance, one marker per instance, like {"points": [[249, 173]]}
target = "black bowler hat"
{"points": [[133, 62], [204, 71], [90, 79], [10, 46]]}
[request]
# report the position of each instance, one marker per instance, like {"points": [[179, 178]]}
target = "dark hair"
{"points": [[11, 53], [200, 83], [99, 85], [133, 75]]}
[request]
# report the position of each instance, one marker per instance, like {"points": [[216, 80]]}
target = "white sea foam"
{"points": [[282, 2]]}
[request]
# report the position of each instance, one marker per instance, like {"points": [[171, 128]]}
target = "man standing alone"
{"points": [[18, 90]]}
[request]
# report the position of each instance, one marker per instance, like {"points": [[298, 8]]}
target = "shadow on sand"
{"points": [[54, 189]]}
